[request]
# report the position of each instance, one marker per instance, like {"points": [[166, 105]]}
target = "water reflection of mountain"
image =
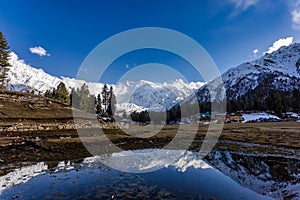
{"points": [[21, 175], [180, 174], [274, 176], [147, 160], [25, 173]]}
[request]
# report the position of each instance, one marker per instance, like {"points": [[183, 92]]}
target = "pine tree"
{"points": [[91, 104], [62, 93], [111, 102], [4, 64], [98, 104], [53, 93], [105, 96], [278, 103], [296, 99], [84, 93], [74, 98], [47, 94]]}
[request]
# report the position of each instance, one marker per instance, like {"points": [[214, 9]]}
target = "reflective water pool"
{"points": [[146, 174]]}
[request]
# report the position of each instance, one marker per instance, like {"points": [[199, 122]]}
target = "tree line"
{"points": [[171, 115], [103, 104], [276, 100]]}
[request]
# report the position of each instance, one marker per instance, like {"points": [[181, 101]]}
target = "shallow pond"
{"points": [[139, 174]]}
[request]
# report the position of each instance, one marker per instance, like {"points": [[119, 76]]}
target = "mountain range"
{"points": [[279, 70], [130, 96]]}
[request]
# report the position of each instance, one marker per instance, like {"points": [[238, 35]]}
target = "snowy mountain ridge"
{"points": [[280, 70], [130, 95]]}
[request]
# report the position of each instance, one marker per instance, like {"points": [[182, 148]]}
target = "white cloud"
{"points": [[255, 51], [296, 19], [254, 54], [279, 43], [295, 13], [243, 4], [39, 51]]}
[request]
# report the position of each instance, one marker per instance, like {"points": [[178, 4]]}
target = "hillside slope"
{"points": [[279, 70], [25, 105]]}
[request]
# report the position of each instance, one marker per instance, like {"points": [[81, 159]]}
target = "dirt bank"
{"points": [[266, 139]]}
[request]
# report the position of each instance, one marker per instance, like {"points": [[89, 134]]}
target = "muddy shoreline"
{"points": [[260, 139]]}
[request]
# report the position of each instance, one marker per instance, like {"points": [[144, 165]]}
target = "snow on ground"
{"points": [[295, 115], [258, 116]]}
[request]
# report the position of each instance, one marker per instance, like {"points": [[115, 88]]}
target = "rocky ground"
{"points": [[270, 139]]}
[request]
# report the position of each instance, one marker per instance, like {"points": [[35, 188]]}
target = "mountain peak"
{"points": [[279, 70], [131, 95]]}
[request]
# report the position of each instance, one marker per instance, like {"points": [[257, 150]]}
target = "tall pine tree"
{"points": [[111, 103], [98, 104], [105, 97], [74, 98], [62, 93], [4, 64], [84, 94]]}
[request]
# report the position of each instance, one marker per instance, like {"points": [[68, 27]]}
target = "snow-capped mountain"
{"points": [[279, 70], [130, 95], [23, 77]]}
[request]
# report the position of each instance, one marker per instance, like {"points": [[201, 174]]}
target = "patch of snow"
{"points": [[258, 116], [295, 115]]}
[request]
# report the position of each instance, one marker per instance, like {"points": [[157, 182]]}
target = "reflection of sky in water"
{"points": [[189, 177]]}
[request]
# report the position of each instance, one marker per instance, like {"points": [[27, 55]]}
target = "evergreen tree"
{"points": [[296, 99], [134, 116], [47, 94], [74, 98], [98, 104], [53, 93], [105, 96], [4, 57], [111, 103], [256, 105], [91, 104], [62, 93], [84, 93]]}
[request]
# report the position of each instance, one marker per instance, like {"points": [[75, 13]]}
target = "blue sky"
{"points": [[229, 30]]}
